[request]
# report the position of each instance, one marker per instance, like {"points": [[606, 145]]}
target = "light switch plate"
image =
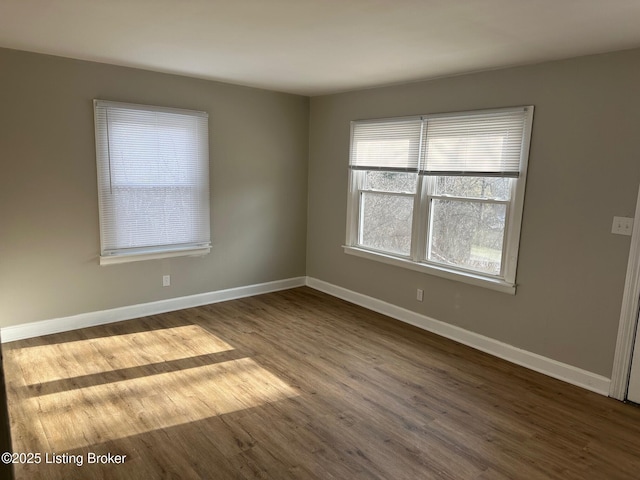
{"points": [[622, 225]]}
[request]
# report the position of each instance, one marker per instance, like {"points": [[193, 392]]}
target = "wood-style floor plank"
{"points": [[301, 385]]}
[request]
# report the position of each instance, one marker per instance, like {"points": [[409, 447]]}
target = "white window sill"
{"points": [[459, 276], [152, 255]]}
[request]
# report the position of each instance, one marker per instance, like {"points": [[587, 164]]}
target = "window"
{"points": [[441, 193], [153, 182]]}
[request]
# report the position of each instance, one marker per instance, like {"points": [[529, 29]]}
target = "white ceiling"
{"points": [[313, 47]]}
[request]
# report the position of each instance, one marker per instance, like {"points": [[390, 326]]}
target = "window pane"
{"points": [[496, 188], [391, 181], [155, 216], [386, 222], [152, 155], [467, 234]]}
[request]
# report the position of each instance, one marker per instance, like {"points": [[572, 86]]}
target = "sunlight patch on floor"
{"points": [[98, 355], [139, 405], [98, 396]]}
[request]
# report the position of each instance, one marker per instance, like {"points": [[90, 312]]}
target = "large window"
{"points": [[153, 182], [441, 193]]}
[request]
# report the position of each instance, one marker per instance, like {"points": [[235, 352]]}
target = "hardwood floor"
{"points": [[300, 385]]}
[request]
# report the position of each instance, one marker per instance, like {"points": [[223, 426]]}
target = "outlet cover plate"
{"points": [[622, 225]]}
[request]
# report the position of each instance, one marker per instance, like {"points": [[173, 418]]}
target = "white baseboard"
{"points": [[553, 368], [90, 319]]}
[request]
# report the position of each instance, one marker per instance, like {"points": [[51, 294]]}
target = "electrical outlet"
{"points": [[419, 294], [622, 226], [166, 280]]}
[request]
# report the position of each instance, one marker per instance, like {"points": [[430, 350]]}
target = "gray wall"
{"points": [[49, 232], [584, 168]]}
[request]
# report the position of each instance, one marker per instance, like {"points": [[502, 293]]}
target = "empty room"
{"points": [[304, 239]]}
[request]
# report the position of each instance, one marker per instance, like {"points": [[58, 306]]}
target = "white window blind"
{"points": [[391, 146], [153, 181], [487, 144]]}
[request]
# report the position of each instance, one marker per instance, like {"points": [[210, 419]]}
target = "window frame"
{"points": [[422, 214], [118, 255]]}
